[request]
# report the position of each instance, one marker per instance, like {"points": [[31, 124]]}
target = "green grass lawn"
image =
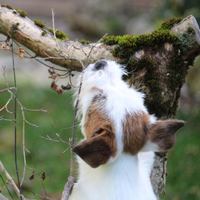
{"points": [[183, 161]]}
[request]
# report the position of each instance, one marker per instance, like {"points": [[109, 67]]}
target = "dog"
{"points": [[117, 154]]}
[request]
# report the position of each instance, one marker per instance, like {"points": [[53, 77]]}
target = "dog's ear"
{"points": [[98, 149], [162, 134]]}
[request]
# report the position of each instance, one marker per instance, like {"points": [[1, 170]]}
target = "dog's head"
{"points": [[102, 74], [138, 131]]}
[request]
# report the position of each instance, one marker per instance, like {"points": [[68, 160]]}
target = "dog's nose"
{"points": [[100, 64]]}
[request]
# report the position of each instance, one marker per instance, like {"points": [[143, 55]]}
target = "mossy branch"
{"points": [[43, 45], [32, 36]]}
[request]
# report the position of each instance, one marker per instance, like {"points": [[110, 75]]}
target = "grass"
{"points": [[183, 160], [47, 155]]}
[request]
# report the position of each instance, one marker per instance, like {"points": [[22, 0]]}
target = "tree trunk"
{"points": [[157, 63]]}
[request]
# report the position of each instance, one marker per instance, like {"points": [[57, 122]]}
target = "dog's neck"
{"points": [[117, 180]]}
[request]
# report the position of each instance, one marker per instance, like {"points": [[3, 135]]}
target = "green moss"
{"points": [[39, 23], [15, 12], [190, 30], [50, 30], [7, 6], [154, 39], [127, 45], [59, 34], [151, 79], [157, 37], [85, 42], [21, 12], [44, 33], [168, 24]]}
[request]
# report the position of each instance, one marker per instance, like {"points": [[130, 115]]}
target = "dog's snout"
{"points": [[100, 64]]}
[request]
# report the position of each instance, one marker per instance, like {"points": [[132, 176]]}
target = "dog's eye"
{"points": [[100, 64], [98, 132]]}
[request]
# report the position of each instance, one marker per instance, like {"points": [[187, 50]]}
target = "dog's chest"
{"points": [[118, 181]]}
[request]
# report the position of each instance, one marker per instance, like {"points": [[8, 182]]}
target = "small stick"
{"points": [[43, 197], [10, 179]]}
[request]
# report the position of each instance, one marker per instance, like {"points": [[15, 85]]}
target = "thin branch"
{"points": [[43, 197], [15, 117], [2, 197], [3, 118], [6, 89], [60, 139], [24, 121], [42, 181], [6, 187], [88, 56], [12, 183], [6, 105]]}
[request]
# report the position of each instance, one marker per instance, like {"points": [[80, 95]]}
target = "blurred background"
{"points": [[90, 20]]}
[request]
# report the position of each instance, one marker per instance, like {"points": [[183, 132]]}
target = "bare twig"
{"points": [[68, 187], [15, 117], [6, 105], [71, 180], [60, 139], [88, 56], [2, 197], [42, 177], [43, 197], [10, 179], [8, 89], [5, 183], [3, 118], [54, 29]]}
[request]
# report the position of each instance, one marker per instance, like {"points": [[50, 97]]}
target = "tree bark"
{"points": [[159, 73], [169, 69]]}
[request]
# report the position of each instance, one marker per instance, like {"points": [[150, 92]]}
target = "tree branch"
{"points": [[30, 35], [10, 179]]}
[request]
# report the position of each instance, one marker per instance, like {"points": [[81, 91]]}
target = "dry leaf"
{"points": [[43, 176], [67, 87], [5, 47], [59, 90], [31, 177], [54, 86], [21, 53]]}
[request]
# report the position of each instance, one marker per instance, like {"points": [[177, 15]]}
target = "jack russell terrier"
{"points": [[117, 154]]}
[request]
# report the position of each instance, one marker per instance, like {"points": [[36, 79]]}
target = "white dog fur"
{"points": [[117, 154]]}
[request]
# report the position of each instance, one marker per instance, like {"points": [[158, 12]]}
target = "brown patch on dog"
{"points": [[163, 133], [100, 144], [135, 129], [99, 90], [94, 119], [97, 150]]}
